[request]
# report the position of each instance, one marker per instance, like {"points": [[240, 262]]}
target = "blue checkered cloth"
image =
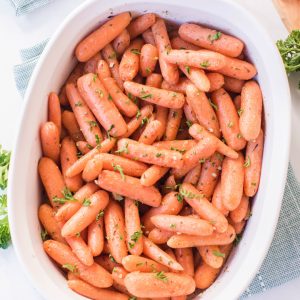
{"points": [[283, 260], [26, 6]]}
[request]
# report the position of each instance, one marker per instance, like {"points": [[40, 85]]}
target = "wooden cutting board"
{"points": [[289, 11]]}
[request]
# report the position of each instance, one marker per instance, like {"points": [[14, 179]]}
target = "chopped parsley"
{"points": [[161, 276], [67, 197], [120, 170], [123, 150], [247, 162], [135, 51], [215, 36], [44, 235], [189, 123], [70, 267], [109, 130], [188, 69], [240, 112], [205, 64], [218, 253], [86, 202], [138, 114], [78, 103]]}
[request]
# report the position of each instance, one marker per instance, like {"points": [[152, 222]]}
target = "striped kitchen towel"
{"points": [[26, 6]]}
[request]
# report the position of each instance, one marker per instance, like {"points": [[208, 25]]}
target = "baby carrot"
{"points": [[52, 180], [173, 124], [96, 236], [240, 213], [148, 37], [141, 24], [92, 169], [233, 85], [99, 38], [142, 264], [70, 123], [84, 147], [148, 59], [216, 81], [121, 42], [217, 200], [154, 95], [150, 133], [129, 187], [54, 110], [159, 236], [205, 275], [179, 43], [153, 174], [197, 77], [185, 257], [50, 140], [68, 156], [115, 230], [86, 214], [193, 175], [133, 227], [212, 256]]}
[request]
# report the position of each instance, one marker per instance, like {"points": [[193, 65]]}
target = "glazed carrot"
{"points": [[182, 224], [69, 122], [237, 103], [110, 57], [136, 121], [84, 147], [133, 227], [148, 59], [216, 81], [251, 110], [229, 119], [212, 256], [50, 140], [52, 180], [171, 204], [198, 132], [173, 124], [86, 121], [97, 98], [204, 112], [86, 214], [210, 173], [63, 255], [72, 276], [204, 59], [211, 39], [46, 216], [129, 187], [217, 200], [159, 236], [148, 37], [179, 43], [238, 69], [154, 252], [153, 174], [203, 207], [80, 164], [141, 24], [240, 212], [185, 241], [121, 42], [162, 117], [122, 102], [54, 110], [99, 38], [81, 250], [193, 175], [68, 156], [130, 62], [232, 179], [66, 211], [179, 87], [154, 80], [185, 257], [91, 65], [115, 230], [154, 95], [169, 71], [150, 133], [150, 154], [103, 70], [178, 145], [253, 164], [138, 263], [233, 85], [205, 275], [96, 236], [191, 158], [92, 292], [151, 285], [107, 262], [172, 254], [197, 77], [118, 275], [92, 169]]}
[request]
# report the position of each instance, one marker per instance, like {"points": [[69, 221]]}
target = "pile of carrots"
{"points": [[148, 164]]}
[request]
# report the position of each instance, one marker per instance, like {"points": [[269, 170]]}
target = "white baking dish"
{"points": [[55, 64]]}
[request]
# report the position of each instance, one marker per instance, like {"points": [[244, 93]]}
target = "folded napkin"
{"points": [[26, 6], [283, 260]]}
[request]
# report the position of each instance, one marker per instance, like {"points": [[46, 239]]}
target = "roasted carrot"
{"points": [[50, 140]]}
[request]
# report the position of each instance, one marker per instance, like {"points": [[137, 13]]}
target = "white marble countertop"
{"points": [[20, 32]]}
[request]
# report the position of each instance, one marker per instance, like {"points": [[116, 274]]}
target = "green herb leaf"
{"points": [[178, 150], [135, 51], [240, 112], [205, 64], [44, 234], [161, 276], [215, 107], [70, 267], [173, 226], [100, 215], [188, 69], [188, 123], [218, 253], [247, 162], [138, 114], [68, 197], [120, 170], [112, 56], [289, 50], [118, 197], [92, 124], [109, 130], [123, 150], [146, 96], [148, 70], [86, 202], [110, 97], [215, 36], [158, 154], [179, 198], [189, 195], [145, 120], [111, 258], [78, 103], [237, 239], [136, 235], [99, 93], [4, 226], [94, 77], [4, 166]]}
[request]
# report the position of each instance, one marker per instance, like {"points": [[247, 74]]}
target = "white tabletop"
{"points": [[20, 32]]}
